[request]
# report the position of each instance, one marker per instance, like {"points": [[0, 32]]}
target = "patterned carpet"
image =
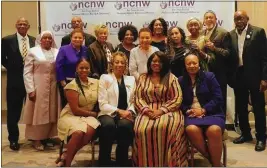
{"points": [[238, 155]]}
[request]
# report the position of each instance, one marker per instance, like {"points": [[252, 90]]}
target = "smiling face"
{"points": [[46, 41], [193, 27], [83, 69], [145, 39], [77, 39], [102, 35], [210, 20], [241, 20], [119, 65], [156, 64], [157, 27], [22, 26], [128, 38], [192, 64]]}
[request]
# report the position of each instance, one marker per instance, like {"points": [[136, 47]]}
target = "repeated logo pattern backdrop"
{"points": [[56, 16]]}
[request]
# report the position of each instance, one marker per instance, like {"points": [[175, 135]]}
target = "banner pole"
{"points": [[39, 16]]}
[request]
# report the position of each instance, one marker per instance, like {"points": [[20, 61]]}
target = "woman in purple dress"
{"points": [[202, 107]]}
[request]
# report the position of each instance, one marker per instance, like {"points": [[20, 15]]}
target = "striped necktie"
{"points": [[24, 48]]}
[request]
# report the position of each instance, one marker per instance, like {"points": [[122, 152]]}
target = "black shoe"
{"points": [[14, 146], [242, 139], [260, 146]]}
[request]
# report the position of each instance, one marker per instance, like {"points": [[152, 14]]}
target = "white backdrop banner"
{"points": [[56, 16]]}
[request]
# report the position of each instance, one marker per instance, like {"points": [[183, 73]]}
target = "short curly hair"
{"points": [[164, 25], [121, 54], [123, 30]]}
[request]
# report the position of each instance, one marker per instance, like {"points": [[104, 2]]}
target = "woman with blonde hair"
{"points": [[117, 112], [100, 51]]}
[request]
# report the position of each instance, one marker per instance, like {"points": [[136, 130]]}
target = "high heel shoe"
{"points": [[61, 160], [38, 146]]}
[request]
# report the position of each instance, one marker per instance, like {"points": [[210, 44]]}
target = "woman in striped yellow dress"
{"points": [[159, 126]]}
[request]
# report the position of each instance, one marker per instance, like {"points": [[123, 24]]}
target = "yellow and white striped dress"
{"points": [[160, 142]]}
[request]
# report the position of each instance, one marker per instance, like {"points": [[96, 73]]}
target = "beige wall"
{"points": [[12, 10], [257, 12]]}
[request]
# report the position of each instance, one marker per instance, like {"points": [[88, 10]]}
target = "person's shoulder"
{"points": [[209, 75], [93, 80], [66, 37], [106, 77], [154, 48], [256, 28], [135, 49], [71, 85], [221, 29], [8, 37], [129, 78]]}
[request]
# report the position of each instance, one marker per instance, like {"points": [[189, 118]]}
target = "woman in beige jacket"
{"points": [[42, 103]]}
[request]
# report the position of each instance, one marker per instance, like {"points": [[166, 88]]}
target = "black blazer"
{"points": [[89, 39], [254, 56], [222, 41], [12, 60], [98, 59]]}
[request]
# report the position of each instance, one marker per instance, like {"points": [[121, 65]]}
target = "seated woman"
{"points": [[159, 126], [78, 118], [116, 91], [202, 107]]}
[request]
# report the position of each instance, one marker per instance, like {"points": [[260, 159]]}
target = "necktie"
{"points": [[24, 48]]}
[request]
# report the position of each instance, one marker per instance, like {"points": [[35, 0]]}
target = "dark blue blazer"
{"points": [[208, 93]]}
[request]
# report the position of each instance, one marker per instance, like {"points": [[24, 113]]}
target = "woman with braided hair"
{"points": [[77, 120]]}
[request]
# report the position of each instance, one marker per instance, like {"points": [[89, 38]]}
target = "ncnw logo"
{"points": [[126, 4], [86, 4], [170, 23], [165, 4], [117, 24], [65, 26]]}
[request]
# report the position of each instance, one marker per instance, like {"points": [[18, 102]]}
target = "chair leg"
{"points": [[224, 154], [93, 152], [192, 155]]}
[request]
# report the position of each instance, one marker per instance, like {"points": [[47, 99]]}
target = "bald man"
{"points": [[14, 50], [77, 22], [249, 70]]}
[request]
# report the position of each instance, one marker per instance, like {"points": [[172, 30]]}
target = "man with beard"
{"points": [[15, 48], [77, 23], [217, 43], [249, 56]]}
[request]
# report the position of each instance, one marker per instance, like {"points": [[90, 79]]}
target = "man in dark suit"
{"points": [[14, 49], [218, 43], [76, 22], [249, 57]]}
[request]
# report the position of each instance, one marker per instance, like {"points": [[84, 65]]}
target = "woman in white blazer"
{"points": [[115, 97]]}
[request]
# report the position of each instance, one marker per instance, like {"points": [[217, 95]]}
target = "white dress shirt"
{"points": [[138, 61], [241, 40], [20, 41]]}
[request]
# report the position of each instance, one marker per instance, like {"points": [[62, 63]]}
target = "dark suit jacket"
{"points": [[208, 92], [12, 60], [98, 58], [222, 41], [254, 56], [89, 39]]}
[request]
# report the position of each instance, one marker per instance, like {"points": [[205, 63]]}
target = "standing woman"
{"points": [[116, 91], [67, 59], [140, 54], [159, 30], [43, 102], [176, 48], [127, 35], [100, 51], [197, 40], [159, 126]]}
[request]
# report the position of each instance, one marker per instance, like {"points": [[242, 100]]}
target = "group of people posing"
{"points": [[154, 96]]}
